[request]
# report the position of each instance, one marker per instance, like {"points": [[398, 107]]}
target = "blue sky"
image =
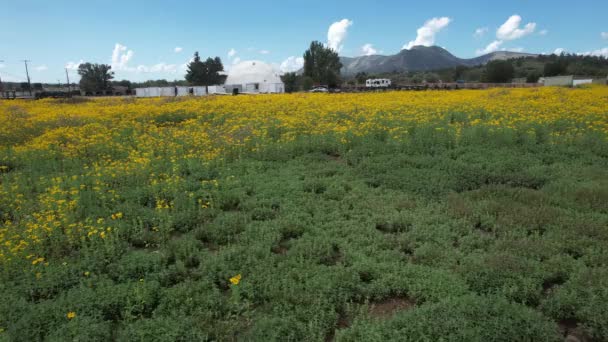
{"points": [[155, 39]]}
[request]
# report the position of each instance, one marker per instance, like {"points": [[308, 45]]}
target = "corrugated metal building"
{"points": [[558, 81]]}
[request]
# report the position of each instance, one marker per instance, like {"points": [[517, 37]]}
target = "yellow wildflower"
{"points": [[236, 279], [71, 315], [37, 261]]}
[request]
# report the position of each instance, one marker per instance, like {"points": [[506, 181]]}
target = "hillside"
{"points": [[418, 58]]}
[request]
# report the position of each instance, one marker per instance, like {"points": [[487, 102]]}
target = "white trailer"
{"points": [[378, 83], [581, 82]]}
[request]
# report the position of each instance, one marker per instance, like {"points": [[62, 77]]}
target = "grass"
{"points": [[495, 236]]}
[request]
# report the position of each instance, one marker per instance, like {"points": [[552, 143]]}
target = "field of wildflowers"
{"points": [[469, 215]]}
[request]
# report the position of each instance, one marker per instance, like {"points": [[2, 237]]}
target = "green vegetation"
{"points": [[498, 235], [95, 78], [322, 65], [530, 68], [205, 73]]}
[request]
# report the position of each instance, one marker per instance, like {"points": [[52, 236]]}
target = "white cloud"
{"points": [[292, 64], [236, 60], [598, 53], [337, 33], [559, 51], [493, 46], [231, 53], [604, 35], [178, 49], [2, 65], [264, 52], [121, 57], [368, 50], [543, 32], [510, 29], [73, 65], [41, 68], [426, 33], [480, 32]]}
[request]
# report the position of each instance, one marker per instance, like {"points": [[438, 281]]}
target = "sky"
{"points": [[156, 39]]}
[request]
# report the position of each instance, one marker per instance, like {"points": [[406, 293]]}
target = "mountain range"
{"points": [[419, 58]]}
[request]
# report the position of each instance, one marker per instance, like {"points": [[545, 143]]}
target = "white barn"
{"points": [[253, 77]]}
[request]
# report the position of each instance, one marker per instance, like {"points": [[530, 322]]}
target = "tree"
{"points": [[459, 72], [322, 65], [290, 79], [499, 72], [556, 68], [533, 77], [307, 83], [204, 73], [361, 77], [431, 77], [416, 79], [95, 77], [123, 83]]}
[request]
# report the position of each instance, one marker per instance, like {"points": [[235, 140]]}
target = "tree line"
{"points": [[98, 78], [322, 68], [529, 69]]}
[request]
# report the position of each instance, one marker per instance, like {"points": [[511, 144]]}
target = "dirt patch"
{"points": [[284, 244], [390, 306], [281, 248], [572, 332], [343, 322], [333, 257], [551, 283], [336, 158]]}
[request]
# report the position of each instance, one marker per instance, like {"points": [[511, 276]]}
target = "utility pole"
{"points": [[67, 76], [29, 84], [1, 87]]}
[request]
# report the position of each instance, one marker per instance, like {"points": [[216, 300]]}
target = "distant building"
{"points": [[179, 91], [558, 81], [378, 83], [253, 77], [571, 81], [580, 82]]}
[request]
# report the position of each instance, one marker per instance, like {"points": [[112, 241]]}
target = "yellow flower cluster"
{"points": [[236, 279], [124, 137]]}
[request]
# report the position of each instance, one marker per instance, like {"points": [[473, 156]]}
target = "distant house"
{"points": [[558, 81]]}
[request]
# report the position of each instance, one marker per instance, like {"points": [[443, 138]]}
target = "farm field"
{"points": [[422, 216]]}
